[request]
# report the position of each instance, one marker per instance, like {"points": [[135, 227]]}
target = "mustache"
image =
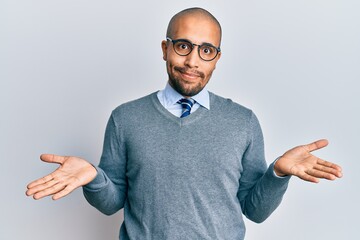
{"points": [[187, 70]]}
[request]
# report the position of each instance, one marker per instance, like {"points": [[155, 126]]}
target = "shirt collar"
{"points": [[172, 96]]}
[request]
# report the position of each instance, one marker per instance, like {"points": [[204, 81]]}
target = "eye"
{"points": [[183, 46], [207, 50]]}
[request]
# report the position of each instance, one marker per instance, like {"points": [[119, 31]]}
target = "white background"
{"points": [[64, 65]]}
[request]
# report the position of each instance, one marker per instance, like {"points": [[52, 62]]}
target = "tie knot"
{"points": [[186, 104]]}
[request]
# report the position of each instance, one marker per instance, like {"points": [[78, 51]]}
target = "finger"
{"points": [[307, 177], [65, 191], [329, 169], [320, 174], [329, 164], [316, 145], [49, 191], [52, 158], [40, 181], [41, 187]]}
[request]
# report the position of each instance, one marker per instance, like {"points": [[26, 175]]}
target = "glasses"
{"points": [[183, 47]]}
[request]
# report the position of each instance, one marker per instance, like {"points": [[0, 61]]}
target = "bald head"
{"points": [[191, 12]]}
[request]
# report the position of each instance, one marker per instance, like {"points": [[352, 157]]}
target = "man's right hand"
{"points": [[72, 173]]}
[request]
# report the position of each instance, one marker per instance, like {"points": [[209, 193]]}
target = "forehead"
{"points": [[197, 29]]}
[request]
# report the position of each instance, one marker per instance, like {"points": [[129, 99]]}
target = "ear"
{"points": [[164, 49], [218, 56], [217, 59]]}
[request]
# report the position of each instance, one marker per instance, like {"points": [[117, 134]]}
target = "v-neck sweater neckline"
{"points": [[193, 117]]}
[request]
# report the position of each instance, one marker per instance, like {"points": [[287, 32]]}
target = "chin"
{"points": [[186, 87], [189, 92]]}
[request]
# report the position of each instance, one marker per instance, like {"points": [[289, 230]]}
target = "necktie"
{"points": [[186, 104]]}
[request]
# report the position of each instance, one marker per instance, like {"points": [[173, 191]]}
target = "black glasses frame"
{"points": [[174, 41]]}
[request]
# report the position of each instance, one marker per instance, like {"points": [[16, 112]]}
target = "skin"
{"points": [[73, 172], [300, 162], [188, 75]]}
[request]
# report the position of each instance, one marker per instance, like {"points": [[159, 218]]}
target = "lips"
{"points": [[189, 74]]}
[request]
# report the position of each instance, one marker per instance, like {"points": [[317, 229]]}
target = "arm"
{"points": [[262, 193], [260, 190], [108, 191], [104, 186]]}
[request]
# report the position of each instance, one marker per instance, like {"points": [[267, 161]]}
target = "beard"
{"points": [[184, 88]]}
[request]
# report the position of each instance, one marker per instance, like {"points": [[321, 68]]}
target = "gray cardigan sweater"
{"points": [[188, 178]]}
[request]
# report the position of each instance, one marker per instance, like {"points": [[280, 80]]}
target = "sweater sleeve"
{"points": [[108, 191], [260, 190]]}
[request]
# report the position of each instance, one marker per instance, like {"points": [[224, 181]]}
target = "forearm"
{"points": [[265, 196], [105, 195]]}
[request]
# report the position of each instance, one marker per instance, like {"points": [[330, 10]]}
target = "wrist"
{"points": [[277, 169]]}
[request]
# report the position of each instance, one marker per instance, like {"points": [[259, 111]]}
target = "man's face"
{"points": [[189, 74]]}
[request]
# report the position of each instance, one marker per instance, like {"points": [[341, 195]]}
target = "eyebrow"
{"points": [[201, 44]]}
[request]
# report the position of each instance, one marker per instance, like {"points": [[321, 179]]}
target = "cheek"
{"points": [[174, 59], [208, 72], [170, 68], [171, 64]]}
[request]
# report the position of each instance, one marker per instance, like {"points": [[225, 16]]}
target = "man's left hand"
{"points": [[301, 163]]}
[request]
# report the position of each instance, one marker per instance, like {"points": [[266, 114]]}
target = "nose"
{"points": [[193, 59]]}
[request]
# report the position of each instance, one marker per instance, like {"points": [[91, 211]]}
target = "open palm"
{"points": [[72, 173], [300, 162]]}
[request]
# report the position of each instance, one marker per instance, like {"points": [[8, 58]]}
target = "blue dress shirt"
{"points": [[168, 97]]}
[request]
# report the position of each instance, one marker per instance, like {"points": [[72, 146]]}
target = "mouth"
{"points": [[189, 75]]}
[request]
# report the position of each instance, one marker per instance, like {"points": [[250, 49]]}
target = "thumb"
{"points": [[52, 158], [316, 145]]}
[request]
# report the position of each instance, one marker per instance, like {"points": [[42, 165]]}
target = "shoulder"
{"points": [[235, 116], [133, 107], [228, 107]]}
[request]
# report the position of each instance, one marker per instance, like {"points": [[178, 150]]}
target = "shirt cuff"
{"points": [[273, 164]]}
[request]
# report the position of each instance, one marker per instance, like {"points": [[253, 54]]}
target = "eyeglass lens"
{"points": [[206, 52]]}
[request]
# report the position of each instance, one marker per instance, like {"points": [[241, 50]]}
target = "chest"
{"points": [[190, 153]]}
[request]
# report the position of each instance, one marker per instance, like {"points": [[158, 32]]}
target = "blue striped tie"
{"points": [[186, 106]]}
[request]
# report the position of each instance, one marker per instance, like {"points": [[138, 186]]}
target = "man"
{"points": [[183, 162]]}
